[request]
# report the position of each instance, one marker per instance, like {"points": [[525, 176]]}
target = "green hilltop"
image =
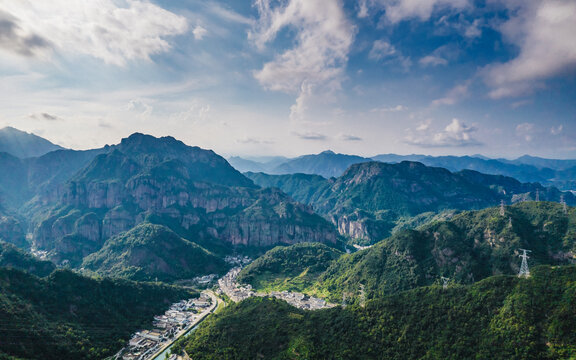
{"points": [[153, 252]]}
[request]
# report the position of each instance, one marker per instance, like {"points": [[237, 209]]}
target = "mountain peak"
{"points": [[24, 145], [327, 152]]}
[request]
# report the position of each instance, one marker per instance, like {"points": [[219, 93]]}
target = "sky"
{"points": [[292, 77]]}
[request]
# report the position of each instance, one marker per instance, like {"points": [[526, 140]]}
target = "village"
{"points": [[237, 292], [184, 315], [177, 320]]}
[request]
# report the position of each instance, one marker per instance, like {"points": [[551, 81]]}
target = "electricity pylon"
{"points": [[502, 209], [564, 206], [524, 270], [445, 281]]}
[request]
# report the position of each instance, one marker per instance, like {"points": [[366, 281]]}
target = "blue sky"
{"points": [[291, 77]]}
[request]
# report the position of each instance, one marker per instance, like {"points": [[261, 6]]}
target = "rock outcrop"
{"points": [[146, 178]]}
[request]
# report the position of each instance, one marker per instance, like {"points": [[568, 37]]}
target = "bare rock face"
{"points": [[12, 231]]}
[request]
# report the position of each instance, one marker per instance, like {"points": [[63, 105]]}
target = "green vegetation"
{"points": [[150, 252], [501, 317], [294, 267], [12, 257], [67, 316], [466, 247]]}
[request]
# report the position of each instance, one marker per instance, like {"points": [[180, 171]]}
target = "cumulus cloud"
{"points": [[311, 136], [346, 137], [456, 134], [316, 63], [544, 33], [199, 32], [113, 31]]}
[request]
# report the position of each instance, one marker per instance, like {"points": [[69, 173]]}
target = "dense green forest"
{"points": [[501, 317], [149, 252], [67, 316], [289, 268], [466, 248], [13, 257]]}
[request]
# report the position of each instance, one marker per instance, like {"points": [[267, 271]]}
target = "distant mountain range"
{"points": [[548, 172], [24, 145], [373, 199]]}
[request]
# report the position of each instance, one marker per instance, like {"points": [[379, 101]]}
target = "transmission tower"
{"points": [[502, 208], [343, 300], [564, 206], [362, 295], [510, 222], [537, 195], [445, 281], [524, 270]]}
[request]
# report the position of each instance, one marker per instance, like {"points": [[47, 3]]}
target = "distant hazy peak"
{"points": [[24, 145]]}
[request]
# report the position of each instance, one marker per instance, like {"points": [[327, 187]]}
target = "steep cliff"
{"points": [[193, 191]]}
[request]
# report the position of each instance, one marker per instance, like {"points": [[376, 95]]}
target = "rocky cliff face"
{"points": [[118, 191], [12, 231]]}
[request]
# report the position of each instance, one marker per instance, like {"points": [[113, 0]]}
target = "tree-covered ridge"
{"points": [[288, 268], [501, 317], [12, 257], [153, 252], [372, 200], [467, 247], [67, 316]]}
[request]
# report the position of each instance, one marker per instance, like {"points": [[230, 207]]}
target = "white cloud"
{"points": [[140, 107], [381, 49], [441, 56], [454, 95], [199, 32], [316, 62], [432, 60], [113, 31], [544, 33], [399, 10], [425, 125], [396, 108], [456, 134], [526, 131], [556, 130]]}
